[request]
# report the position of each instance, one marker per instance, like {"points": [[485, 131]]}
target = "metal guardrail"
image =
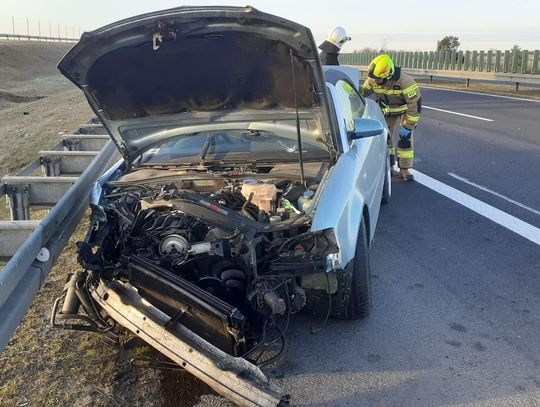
{"points": [[22, 37], [38, 244]]}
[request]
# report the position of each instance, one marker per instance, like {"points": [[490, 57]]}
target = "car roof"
{"points": [[334, 73]]}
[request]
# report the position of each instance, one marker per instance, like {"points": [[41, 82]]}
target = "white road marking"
{"points": [[456, 113], [481, 94], [483, 188], [504, 219]]}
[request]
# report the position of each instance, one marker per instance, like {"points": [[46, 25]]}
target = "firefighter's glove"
{"points": [[404, 133]]}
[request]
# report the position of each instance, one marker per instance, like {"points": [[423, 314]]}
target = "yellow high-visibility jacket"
{"points": [[397, 96]]}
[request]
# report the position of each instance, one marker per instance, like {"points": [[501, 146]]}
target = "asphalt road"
{"points": [[456, 297]]}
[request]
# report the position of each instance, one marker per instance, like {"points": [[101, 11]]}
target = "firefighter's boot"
{"points": [[405, 155], [405, 174], [392, 153]]}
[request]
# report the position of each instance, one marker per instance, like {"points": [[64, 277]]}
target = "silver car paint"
{"points": [[355, 182]]}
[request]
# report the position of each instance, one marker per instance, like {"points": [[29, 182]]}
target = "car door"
{"points": [[371, 151], [356, 181]]}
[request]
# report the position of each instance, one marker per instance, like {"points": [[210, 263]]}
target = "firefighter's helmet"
{"points": [[381, 67], [338, 36]]}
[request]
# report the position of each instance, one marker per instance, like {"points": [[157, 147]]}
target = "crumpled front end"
{"points": [[207, 269], [233, 377]]}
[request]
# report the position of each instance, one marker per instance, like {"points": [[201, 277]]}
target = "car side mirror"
{"points": [[365, 128]]}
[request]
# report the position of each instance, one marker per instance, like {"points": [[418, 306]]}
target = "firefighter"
{"points": [[399, 97], [331, 47]]}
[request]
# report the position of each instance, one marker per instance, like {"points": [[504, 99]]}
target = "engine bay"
{"points": [[238, 247]]}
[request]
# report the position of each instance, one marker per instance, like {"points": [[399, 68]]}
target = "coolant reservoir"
{"points": [[264, 195], [306, 200]]}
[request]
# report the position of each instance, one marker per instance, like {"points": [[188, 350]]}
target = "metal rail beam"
{"points": [[12, 236], [84, 142], [92, 128], [22, 37], [57, 163], [25, 273], [36, 192]]}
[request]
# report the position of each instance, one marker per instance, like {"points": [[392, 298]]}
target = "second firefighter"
{"points": [[400, 99]]}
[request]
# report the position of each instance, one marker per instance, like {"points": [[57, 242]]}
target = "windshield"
{"points": [[227, 146]]}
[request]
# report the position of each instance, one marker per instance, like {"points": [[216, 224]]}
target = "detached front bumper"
{"points": [[233, 377]]}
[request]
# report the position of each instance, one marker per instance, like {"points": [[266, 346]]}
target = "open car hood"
{"points": [[199, 67]]}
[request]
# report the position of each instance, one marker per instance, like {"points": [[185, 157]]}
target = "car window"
{"points": [[352, 105], [233, 144]]}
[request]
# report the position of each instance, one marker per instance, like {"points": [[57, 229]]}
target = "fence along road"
{"points": [[522, 67], [31, 247]]}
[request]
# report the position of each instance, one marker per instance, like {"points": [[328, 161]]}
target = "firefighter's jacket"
{"points": [[329, 53], [397, 96]]}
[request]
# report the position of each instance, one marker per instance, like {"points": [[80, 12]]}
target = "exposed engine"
{"points": [[245, 242]]}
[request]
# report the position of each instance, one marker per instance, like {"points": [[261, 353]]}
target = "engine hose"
{"points": [[244, 207]]}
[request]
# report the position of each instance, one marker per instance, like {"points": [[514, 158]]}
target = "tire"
{"points": [[352, 300], [387, 187], [359, 303]]}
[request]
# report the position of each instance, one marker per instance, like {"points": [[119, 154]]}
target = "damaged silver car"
{"points": [[249, 190]]}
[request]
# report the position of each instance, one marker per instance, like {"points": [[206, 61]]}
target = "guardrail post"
{"points": [[468, 82], [517, 87], [72, 145], [18, 198], [51, 166]]}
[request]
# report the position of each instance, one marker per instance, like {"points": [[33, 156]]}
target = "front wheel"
{"points": [[353, 300], [360, 300]]}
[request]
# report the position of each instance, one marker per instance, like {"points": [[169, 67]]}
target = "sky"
{"points": [[404, 25]]}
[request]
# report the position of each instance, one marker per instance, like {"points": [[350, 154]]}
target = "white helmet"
{"points": [[338, 36]]}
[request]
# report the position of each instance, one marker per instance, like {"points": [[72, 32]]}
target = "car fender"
{"points": [[340, 205]]}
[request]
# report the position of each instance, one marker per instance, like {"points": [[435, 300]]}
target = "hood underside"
{"points": [[191, 64]]}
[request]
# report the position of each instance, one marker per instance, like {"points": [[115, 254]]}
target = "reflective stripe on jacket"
{"points": [[396, 96]]}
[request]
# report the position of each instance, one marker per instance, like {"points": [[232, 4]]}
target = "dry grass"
{"points": [[43, 366], [30, 127]]}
